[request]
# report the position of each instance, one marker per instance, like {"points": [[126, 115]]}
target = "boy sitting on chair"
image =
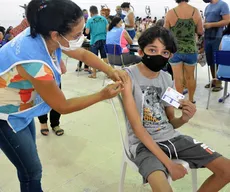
{"points": [[153, 138]]}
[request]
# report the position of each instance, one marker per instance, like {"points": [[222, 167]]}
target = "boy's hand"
{"points": [[188, 110], [176, 171]]}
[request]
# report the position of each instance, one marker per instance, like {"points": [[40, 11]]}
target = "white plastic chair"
{"points": [[126, 154]]}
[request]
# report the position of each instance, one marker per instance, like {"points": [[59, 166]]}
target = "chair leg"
{"points": [[78, 66], [209, 94], [122, 176], [226, 94], [194, 180]]}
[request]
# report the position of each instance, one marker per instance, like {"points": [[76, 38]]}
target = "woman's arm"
{"points": [[127, 37], [54, 97], [93, 61], [199, 23], [131, 21]]}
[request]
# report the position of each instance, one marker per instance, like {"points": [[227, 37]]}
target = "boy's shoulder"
{"points": [[132, 71], [165, 74]]}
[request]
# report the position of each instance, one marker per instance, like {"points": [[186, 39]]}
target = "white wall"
{"points": [[11, 13]]}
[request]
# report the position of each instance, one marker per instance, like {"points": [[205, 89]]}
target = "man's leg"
{"points": [[43, 124], [209, 59], [103, 52], [94, 49], [221, 175], [215, 47]]}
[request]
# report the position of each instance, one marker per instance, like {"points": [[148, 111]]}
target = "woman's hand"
{"points": [[111, 90], [63, 67], [118, 75]]}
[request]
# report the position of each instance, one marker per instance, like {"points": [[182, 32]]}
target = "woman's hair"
{"points": [[114, 22], [45, 16], [125, 5], [161, 33], [2, 29], [179, 1], [227, 30], [8, 30]]}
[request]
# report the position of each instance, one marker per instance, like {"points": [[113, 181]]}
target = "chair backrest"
{"points": [[124, 137], [222, 58], [114, 54], [113, 49]]}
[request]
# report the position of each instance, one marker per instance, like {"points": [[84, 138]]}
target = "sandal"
{"points": [[45, 132], [58, 131], [92, 76], [78, 70], [217, 89], [208, 86], [185, 91]]}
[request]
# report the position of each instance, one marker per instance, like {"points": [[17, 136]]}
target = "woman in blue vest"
{"points": [[117, 35], [224, 71], [30, 77]]}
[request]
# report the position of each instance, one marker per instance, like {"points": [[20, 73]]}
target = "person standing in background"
{"points": [[86, 16], [216, 18], [184, 21], [129, 19], [119, 12], [97, 27]]}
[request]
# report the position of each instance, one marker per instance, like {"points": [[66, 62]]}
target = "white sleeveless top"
{"points": [[126, 19]]}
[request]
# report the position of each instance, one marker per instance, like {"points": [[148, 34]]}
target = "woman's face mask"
{"points": [[86, 16], [73, 44]]}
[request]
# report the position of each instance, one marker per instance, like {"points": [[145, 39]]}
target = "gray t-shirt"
{"points": [[147, 94]]}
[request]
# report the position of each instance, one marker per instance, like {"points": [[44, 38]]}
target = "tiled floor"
{"points": [[88, 157]]}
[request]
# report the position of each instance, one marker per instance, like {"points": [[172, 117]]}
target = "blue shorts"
{"points": [[210, 47], [99, 46], [185, 58]]}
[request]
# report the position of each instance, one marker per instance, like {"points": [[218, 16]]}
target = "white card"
{"points": [[172, 97]]}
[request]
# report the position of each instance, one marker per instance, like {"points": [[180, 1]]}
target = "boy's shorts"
{"points": [[195, 153]]}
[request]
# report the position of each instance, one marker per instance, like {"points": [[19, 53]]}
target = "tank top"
{"points": [[116, 36], [184, 32], [126, 19]]}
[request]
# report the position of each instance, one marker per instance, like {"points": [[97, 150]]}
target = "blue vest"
{"points": [[224, 71], [114, 36], [25, 49]]}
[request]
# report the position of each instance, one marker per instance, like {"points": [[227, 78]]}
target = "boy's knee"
{"points": [[222, 171], [159, 182]]}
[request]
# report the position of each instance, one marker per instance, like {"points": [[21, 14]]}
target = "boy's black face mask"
{"points": [[154, 62]]}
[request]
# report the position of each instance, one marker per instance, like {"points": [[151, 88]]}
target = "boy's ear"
{"points": [[140, 52]]}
